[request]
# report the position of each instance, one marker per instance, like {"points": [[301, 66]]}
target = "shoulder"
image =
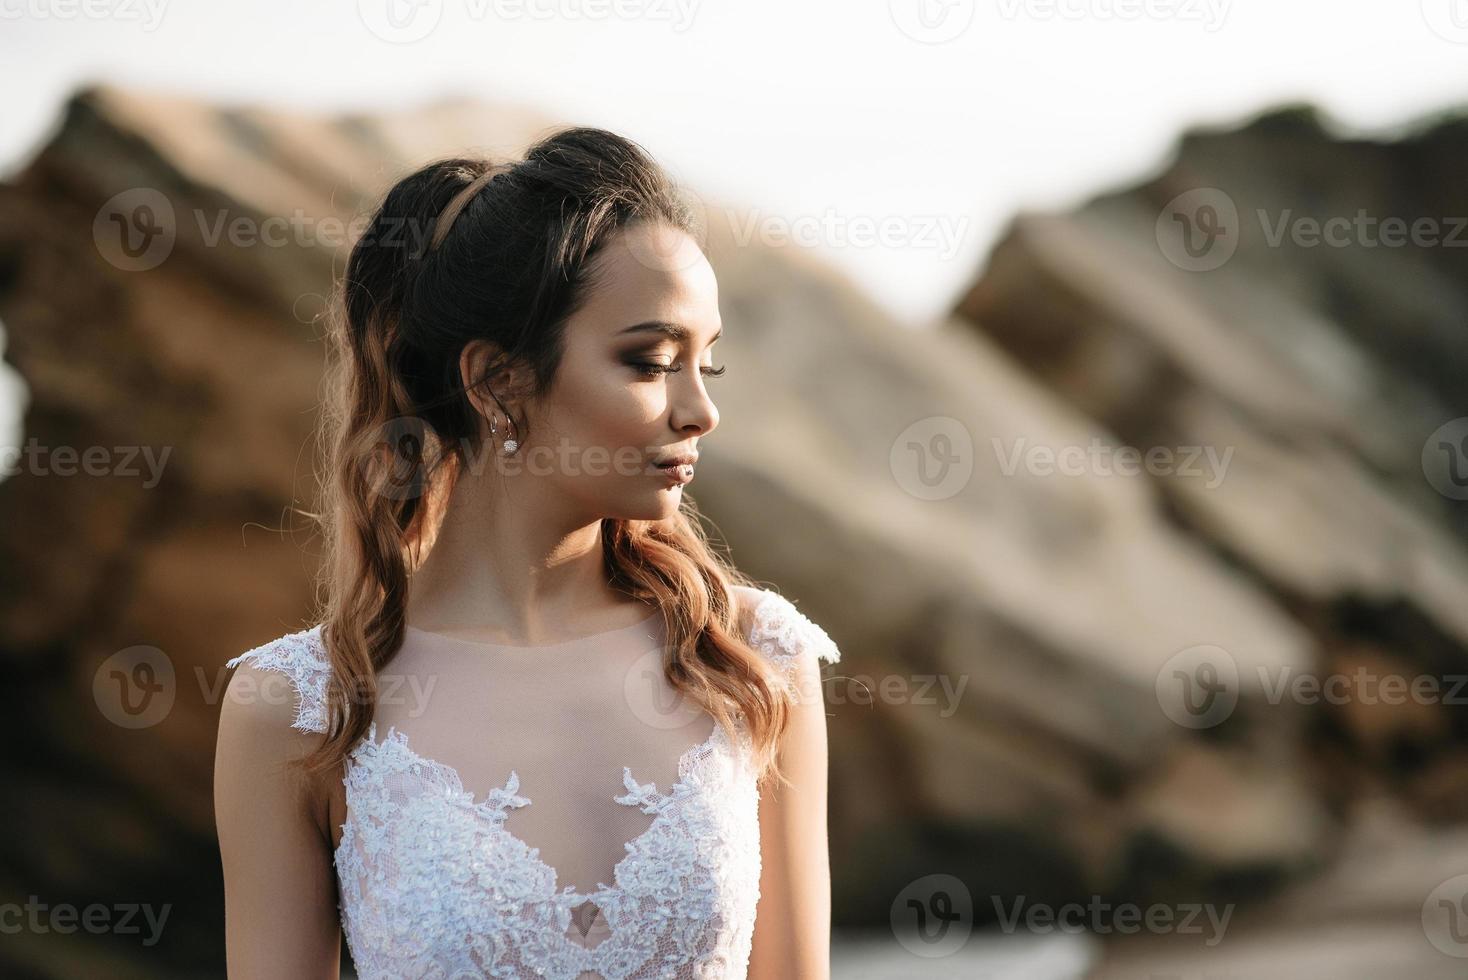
{"points": [[271, 715], [783, 634], [284, 680]]}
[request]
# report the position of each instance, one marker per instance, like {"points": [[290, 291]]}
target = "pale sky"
{"points": [[931, 121], [823, 114]]}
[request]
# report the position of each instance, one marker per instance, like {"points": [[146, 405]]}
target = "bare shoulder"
{"points": [[273, 708], [271, 816], [259, 711]]}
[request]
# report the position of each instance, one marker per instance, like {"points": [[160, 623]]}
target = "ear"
{"points": [[477, 359]]}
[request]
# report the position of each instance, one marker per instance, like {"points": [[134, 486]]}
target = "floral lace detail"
{"points": [[784, 634], [302, 658], [432, 884]]}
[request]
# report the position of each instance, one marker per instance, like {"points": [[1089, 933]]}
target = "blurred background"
{"points": [[1127, 340]]}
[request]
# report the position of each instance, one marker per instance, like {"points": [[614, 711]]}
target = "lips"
{"points": [[678, 468]]}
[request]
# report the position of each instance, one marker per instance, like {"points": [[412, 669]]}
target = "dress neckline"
{"points": [[454, 641], [492, 804]]}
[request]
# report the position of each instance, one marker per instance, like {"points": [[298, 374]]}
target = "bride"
{"points": [[540, 728]]}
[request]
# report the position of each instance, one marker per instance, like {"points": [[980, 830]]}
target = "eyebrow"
{"points": [[677, 331]]}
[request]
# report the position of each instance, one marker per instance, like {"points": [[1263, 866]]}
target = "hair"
{"points": [[510, 258]]}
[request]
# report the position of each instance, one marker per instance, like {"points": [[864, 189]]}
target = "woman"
{"points": [[524, 633]]}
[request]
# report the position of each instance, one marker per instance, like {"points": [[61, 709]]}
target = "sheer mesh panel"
{"points": [[551, 811]]}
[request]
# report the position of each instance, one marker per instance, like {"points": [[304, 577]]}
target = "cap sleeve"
{"points": [[302, 658], [787, 637]]}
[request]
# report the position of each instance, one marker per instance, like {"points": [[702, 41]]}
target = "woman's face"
{"points": [[631, 389]]}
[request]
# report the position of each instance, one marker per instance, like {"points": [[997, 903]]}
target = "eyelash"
{"points": [[654, 370]]}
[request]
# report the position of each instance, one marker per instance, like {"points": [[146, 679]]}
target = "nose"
{"points": [[693, 409]]}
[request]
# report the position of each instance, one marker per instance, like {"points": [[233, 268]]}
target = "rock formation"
{"points": [[1002, 712]]}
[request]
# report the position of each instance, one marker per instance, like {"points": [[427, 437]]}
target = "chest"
{"points": [[418, 855]]}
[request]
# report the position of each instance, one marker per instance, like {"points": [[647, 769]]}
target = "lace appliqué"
{"points": [[432, 883], [785, 635], [302, 658]]}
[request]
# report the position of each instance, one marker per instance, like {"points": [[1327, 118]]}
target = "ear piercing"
{"points": [[511, 443]]}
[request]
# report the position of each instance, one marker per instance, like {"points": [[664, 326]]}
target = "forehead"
{"points": [[652, 272]]}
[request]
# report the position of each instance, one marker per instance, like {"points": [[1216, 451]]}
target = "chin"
{"points": [[667, 503]]}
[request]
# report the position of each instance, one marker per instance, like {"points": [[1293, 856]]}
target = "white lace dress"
{"points": [[446, 868]]}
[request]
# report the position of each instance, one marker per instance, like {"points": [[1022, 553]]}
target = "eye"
{"points": [[653, 369]]}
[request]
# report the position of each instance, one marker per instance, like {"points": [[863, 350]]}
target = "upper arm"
{"points": [[279, 883], [792, 932]]}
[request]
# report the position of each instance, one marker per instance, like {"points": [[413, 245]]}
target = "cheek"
{"points": [[611, 411]]}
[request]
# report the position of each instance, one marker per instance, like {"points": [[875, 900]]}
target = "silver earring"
{"points": [[511, 444]]}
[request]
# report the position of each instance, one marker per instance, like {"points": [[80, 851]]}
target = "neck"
{"points": [[511, 557]]}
